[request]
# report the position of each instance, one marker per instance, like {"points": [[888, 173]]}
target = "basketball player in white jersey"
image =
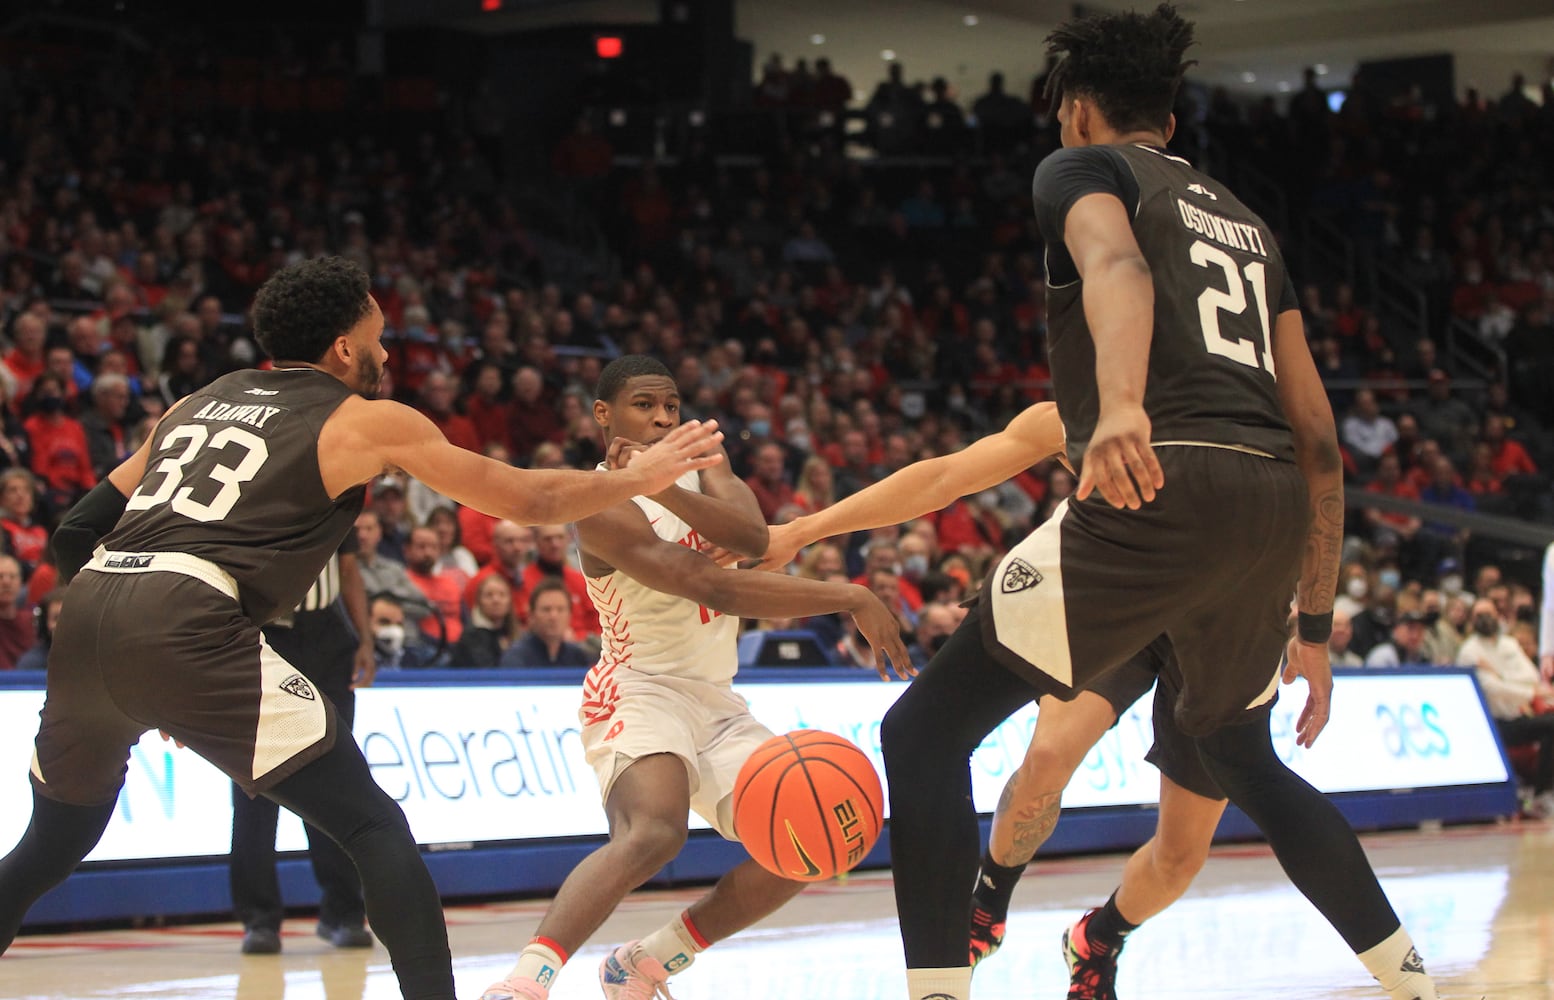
{"points": [[662, 726]]}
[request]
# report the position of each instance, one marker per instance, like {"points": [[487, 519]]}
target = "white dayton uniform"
{"points": [[663, 683]]}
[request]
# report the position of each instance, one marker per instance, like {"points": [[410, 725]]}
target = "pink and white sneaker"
{"points": [[630, 973]]}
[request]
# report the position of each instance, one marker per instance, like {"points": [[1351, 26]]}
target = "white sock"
{"points": [[541, 960], [676, 944], [953, 984], [1396, 965]]}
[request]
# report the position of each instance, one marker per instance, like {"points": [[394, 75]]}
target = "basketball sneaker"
{"points": [[516, 989], [629, 973], [987, 932], [1092, 973]]}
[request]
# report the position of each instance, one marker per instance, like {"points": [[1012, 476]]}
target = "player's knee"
{"points": [[651, 843], [1177, 864], [1048, 765]]}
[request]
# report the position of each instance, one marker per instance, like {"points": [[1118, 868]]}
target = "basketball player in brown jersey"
{"points": [[220, 522]]}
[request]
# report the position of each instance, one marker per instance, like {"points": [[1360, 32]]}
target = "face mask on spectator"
{"points": [[800, 441], [51, 404], [1486, 625], [1356, 587], [760, 428], [1431, 617], [937, 643], [389, 639], [1389, 578], [915, 566], [1451, 585]]}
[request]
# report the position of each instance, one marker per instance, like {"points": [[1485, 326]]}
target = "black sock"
{"points": [[995, 884], [1108, 927]]}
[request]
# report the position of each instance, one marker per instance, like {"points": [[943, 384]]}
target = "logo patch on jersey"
{"points": [[615, 730], [123, 561], [297, 685], [1020, 575], [1194, 188], [265, 392], [1412, 962]]}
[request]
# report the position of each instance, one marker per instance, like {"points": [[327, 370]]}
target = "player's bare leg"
{"points": [[1155, 877], [1028, 808], [647, 809], [743, 896]]}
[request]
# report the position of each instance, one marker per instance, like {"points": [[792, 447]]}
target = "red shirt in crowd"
{"points": [[585, 617], [17, 635], [444, 593], [458, 430], [489, 417], [1511, 459], [59, 453], [475, 533]]}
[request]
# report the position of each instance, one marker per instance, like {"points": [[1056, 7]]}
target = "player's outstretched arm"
{"points": [[725, 512], [622, 538], [1119, 304], [1305, 406], [365, 437], [923, 487]]}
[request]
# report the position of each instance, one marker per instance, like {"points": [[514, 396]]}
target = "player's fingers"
{"points": [[1139, 468], [1122, 492]]}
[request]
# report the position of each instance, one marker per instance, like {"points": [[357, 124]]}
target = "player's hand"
{"points": [[879, 627], [619, 453], [688, 448], [1120, 461], [364, 666], [163, 733], [783, 542], [1309, 660]]}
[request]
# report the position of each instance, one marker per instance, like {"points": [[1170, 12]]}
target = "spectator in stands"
{"points": [[45, 619], [107, 437], [1483, 481], [15, 446], [1507, 457], [1445, 491], [1367, 432], [815, 490], [484, 407], [452, 556], [25, 538], [1406, 645], [512, 547], [492, 625], [1520, 700], [1444, 417], [59, 452], [437, 394], [397, 647], [531, 417], [551, 544], [393, 509], [769, 480], [24, 361], [181, 371], [1391, 530], [442, 589], [550, 621], [1338, 652], [382, 574], [17, 631], [935, 624]]}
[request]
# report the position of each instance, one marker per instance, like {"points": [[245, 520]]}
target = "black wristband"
{"points": [[1314, 628]]}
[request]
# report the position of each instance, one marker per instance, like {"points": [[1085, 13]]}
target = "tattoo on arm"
{"points": [[1033, 824], [1324, 546]]}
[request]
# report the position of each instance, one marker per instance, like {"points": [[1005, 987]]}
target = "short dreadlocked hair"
{"points": [[622, 370], [303, 307], [1129, 63]]}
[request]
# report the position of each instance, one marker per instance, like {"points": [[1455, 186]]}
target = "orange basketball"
{"points": [[808, 805]]}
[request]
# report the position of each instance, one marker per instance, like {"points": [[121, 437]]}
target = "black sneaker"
{"points": [[345, 936], [261, 941], [1092, 974]]}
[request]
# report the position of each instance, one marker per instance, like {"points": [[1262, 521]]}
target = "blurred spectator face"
{"points": [[527, 386], [1457, 613], [1445, 475], [422, 551], [1526, 636], [16, 497], [768, 464], [1494, 429], [883, 557], [386, 613], [10, 581], [1486, 618], [550, 615], [829, 562], [83, 337], [446, 524], [935, 624], [1487, 577], [886, 586], [368, 531], [437, 393], [513, 544], [1365, 404], [855, 449], [61, 363], [1387, 471], [494, 599], [1500, 596], [489, 382], [915, 557], [1343, 634], [550, 541], [1408, 427], [548, 454], [29, 334], [389, 504], [1440, 385], [1409, 635]]}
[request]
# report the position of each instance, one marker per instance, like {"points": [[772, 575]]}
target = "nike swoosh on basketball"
{"points": [[813, 869]]}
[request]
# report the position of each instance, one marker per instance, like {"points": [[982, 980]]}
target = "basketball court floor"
{"points": [[1479, 901]]}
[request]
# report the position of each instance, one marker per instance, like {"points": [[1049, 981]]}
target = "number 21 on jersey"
{"points": [[1232, 300]]}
